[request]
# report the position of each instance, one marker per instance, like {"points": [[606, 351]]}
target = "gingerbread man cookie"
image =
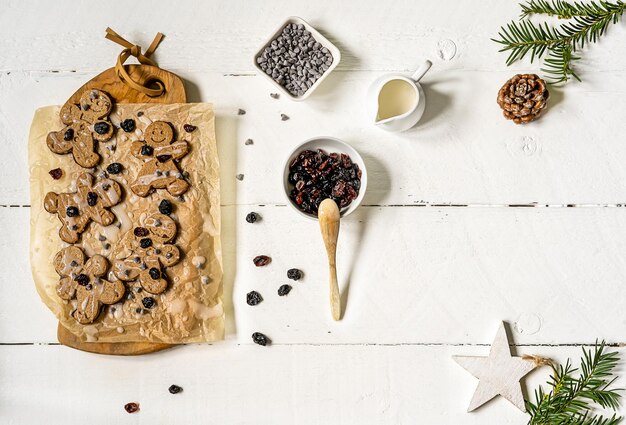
{"points": [[159, 171], [85, 124], [81, 279], [90, 202], [151, 253]]}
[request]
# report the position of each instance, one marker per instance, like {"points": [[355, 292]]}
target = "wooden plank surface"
{"points": [[454, 236]]}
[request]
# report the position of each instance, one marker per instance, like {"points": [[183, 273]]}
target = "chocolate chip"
{"points": [[68, 135], [189, 128], [249, 142], [148, 302], [84, 107], [146, 150], [284, 290], [73, 263], [114, 168], [261, 260], [92, 198], [102, 238], [163, 158], [154, 273], [141, 231], [145, 242], [174, 389], [168, 255], [71, 211], [73, 227], [106, 186], [137, 260], [128, 125], [107, 245], [101, 127], [140, 114], [56, 174], [138, 310], [165, 207], [253, 298], [159, 173], [239, 177], [261, 339], [131, 407], [82, 279], [241, 112], [283, 117]]}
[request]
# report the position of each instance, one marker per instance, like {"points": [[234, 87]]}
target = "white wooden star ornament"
{"points": [[499, 374]]}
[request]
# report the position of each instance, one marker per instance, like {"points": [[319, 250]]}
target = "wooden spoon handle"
{"points": [[335, 303]]}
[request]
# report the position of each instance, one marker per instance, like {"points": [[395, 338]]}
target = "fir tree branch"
{"points": [[571, 400]]}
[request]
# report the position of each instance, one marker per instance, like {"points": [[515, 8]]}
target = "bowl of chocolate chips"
{"points": [[297, 58], [321, 168]]}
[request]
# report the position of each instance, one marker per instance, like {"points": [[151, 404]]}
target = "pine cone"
{"points": [[523, 97]]}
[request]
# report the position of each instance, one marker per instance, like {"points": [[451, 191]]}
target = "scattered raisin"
{"points": [[241, 112], [56, 174], [146, 150], [131, 407], [294, 274], [154, 273], [163, 158], [252, 217], [284, 290], [92, 198], [148, 302], [71, 211], [140, 231], [145, 242], [261, 260], [68, 135], [259, 338], [82, 279], [189, 128], [284, 117], [128, 125], [253, 298], [165, 207], [101, 127], [175, 389], [114, 168]]}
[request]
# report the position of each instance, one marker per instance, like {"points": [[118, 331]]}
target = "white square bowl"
{"points": [[334, 51]]}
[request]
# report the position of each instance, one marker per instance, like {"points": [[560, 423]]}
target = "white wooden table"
{"points": [[468, 219]]}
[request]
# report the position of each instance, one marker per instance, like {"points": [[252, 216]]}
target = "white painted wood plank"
{"points": [[223, 36], [463, 152], [247, 384], [415, 275]]}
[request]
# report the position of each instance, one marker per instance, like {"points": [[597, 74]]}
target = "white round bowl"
{"points": [[330, 145]]}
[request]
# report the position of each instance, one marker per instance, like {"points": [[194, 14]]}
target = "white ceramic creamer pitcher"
{"points": [[396, 102]]}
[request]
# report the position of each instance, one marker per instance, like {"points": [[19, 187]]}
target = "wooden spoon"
{"points": [[328, 215]]}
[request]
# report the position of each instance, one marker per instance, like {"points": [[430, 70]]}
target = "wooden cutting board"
{"points": [[109, 82]]}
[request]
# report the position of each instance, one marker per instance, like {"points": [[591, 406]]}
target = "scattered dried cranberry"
{"points": [[294, 274], [316, 175], [165, 207], [284, 290], [174, 389], [163, 158], [140, 231], [114, 168], [146, 150], [101, 127], [253, 298], [71, 211], [92, 198], [131, 407], [56, 174], [262, 260], [252, 217], [189, 128], [154, 273], [82, 279], [259, 338], [145, 243], [148, 302], [128, 125]]}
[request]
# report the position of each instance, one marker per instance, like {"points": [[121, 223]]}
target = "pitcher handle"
{"points": [[421, 71]]}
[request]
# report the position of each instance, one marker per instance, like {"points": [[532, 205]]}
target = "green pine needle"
{"points": [[571, 399], [586, 23]]}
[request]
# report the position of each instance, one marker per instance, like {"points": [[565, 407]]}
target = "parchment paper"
{"points": [[190, 310]]}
